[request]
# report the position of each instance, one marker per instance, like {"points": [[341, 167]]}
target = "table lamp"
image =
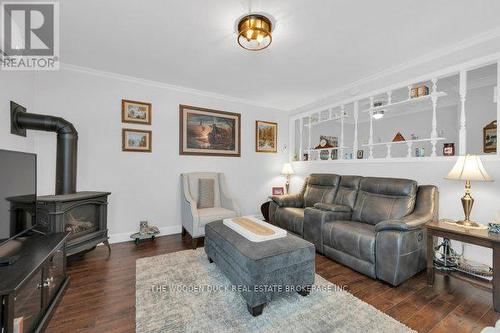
{"points": [[468, 168], [287, 171]]}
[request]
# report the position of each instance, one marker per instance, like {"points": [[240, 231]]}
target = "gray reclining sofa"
{"points": [[373, 225]]}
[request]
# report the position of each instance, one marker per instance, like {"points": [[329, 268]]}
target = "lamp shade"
{"points": [[469, 167], [287, 169]]}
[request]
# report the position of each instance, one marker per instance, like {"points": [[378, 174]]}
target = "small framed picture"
{"points": [[359, 154], [136, 112], [280, 190], [136, 140], [490, 137], [266, 137]]}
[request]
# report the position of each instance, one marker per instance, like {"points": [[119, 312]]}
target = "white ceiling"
{"points": [[318, 46]]}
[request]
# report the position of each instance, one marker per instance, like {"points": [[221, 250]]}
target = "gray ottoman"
{"points": [[264, 269]]}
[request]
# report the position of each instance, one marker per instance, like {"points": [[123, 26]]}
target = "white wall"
{"points": [[17, 87], [146, 186]]}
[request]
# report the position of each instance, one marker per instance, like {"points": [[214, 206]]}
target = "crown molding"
{"points": [[162, 85], [428, 57]]}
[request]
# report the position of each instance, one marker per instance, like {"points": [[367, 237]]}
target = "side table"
{"points": [[471, 236]]}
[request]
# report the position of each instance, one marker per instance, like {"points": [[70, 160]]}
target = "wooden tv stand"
{"points": [[31, 287]]}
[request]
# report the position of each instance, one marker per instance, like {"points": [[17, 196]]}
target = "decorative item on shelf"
{"points": [[420, 152], [414, 92], [136, 112], [449, 149], [145, 232], [278, 190], [136, 140], [287, 171], [266, 137], [378, 114], [327, 142], [414, 137], [324, 154], [422, 90], [490, 137], [468, 168], [334, 154], [255, 32], [348, 156], [295, 156], [305, 157], [398, 137], [209, 132], [359, 154]]}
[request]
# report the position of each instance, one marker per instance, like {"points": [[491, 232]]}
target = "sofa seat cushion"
{"points": [[354, 238], [207, 215], [290, 218]]}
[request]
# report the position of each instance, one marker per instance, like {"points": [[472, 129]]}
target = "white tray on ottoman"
{"points": [[253, 229]]}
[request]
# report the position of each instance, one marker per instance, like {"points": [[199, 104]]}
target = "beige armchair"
{"points": [[194, 218]]}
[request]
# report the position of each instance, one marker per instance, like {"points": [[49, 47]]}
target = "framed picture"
{"points": [[136, 140], [266, 137], [209, 132], [490, 137], [278, 190], [136, 112]]}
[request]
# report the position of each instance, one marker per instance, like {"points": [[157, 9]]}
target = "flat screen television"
{"points": [[17, 194]]}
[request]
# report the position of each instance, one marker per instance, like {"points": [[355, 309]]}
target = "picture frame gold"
{"points": [[208, 132], [135, 140], [135, 112], [266, 137]]}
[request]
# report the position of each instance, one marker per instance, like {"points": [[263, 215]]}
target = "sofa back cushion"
{"points": [[348, 190], [320, 188], [381, 199]]}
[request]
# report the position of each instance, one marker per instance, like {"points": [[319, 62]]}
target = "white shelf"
{"points": [[402, 142], [406, 102], [333, 148]]}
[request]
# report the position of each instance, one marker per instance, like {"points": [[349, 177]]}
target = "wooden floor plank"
{"points": [[101, 294]]}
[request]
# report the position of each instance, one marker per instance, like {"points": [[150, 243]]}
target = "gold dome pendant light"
{"points": [[254, 32]]}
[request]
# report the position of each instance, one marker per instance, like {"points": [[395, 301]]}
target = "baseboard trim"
{"points": [[125, 236]]}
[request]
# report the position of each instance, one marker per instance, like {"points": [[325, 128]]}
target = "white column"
{"points": [[388, 150], [498, 101], [309, 128], [341, 150], [389, 97], [410, 144], [370, 140], [434, 133], [409, 91], [301, 131], [355, 144], [462, 134]]}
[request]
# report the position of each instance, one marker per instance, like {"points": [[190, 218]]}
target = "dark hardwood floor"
{"points": [[101, 294]]}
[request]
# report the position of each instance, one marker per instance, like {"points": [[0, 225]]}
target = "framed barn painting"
{"points": [[136, 140], [136, 112], [209, 132], [266, 137], [490, 138]]}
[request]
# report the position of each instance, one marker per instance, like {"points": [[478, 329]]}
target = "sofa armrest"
{"points": [[288, 200], [333, 207], [426, 210]]}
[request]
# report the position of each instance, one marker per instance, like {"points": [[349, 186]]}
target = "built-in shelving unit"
{"points": [[396, 99]]}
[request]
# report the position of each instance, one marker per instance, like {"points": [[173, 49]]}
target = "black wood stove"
{"points": [[81, 214]]}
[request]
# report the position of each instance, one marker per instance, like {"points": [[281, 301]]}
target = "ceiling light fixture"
{"points": [[254, 32]]}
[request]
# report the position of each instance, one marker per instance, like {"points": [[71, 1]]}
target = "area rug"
{"points": [[183, 292]]}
